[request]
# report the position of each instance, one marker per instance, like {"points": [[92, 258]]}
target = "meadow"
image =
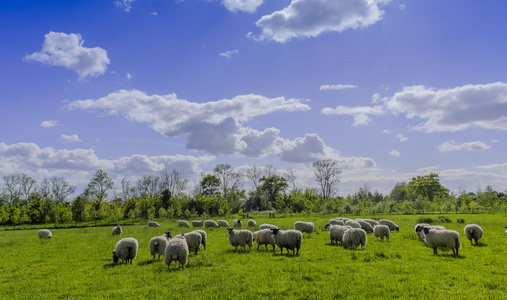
{"points": [[77, 264]]}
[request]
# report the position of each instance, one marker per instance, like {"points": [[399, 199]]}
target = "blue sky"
{"points": [[390, 89]]}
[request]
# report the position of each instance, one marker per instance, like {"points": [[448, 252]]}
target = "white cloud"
{"points": [[249, 6], [449, 146], [394, 153], [70, 138], [403, 6], [66, 50], [125, 4], [337, 87], [310, 18], [50, 123], [361, 114], [229, 53], [401, 137], [129, 76]]}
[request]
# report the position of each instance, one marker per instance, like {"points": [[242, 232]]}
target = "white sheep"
{"points": [[197, 223], [391, 224], [264, 237], [211, 223], [251, 223], [237, 223], [157, 244], [153, 224], [354, 237], [183, 223], [307, 227], [44, 234], [223, 223], [240, 238], [381, 232], [365, 225], [336, 233], [267, 226], [204, 236], [336, 222], [194, 240], [419, 229], [372, 222], [177, 250], [352, 223], [289, 239], [126, 250], [442, 238], [117, 230], [473, 232]]}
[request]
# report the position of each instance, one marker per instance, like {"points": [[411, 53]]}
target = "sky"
{"points": [[390, 89]]}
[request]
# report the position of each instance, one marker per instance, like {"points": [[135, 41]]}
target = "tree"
{"points": [[56, 188], [98, 187], [272, 186], [254, 174], [229, 180], [147, 186], [291, 178], [18, 188], [209, 186], [399, 192], [426, 186], [327, 174], [173, 182]]}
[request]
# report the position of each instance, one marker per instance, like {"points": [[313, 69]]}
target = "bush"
{"points": [[443, 219], [461, 220], [425, 220]]}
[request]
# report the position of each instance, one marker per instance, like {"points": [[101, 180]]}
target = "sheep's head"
{"points": [[397, 228], [426, 230], [231, 230], [327, 226], [275, 230], [115, 258], [168, 234]]}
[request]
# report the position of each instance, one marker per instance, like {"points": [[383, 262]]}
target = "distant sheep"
{"points": [[157, 244], [194, 240], [336, 233], [267, 226], [240, 238], [307, 227], [204, 236], [264, 237], [391, 224], [44, 234], [176, 250], [223, 223], [372, 222], [117, 230], [237, 223], [473, 232], [289, 239], [197, 223], [153, 224], [210, 223], [252, 223], [365, 225], [354, 237], [126, 250], [352, 223], [442, 238], [336, 222], [183, 223], [381, 232]]}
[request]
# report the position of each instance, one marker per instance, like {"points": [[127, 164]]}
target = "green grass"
{"points": [[77, 264]]}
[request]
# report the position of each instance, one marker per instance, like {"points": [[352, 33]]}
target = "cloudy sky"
{"points": [[390, 89]]}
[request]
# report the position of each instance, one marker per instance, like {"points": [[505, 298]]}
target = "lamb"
{"points": [[381, 231], [473, 232], [240, 238], [267, 226], [183, 223], [336, 232], [157, 244], [126, 250], [307, 227], [264, 237], [354, 237], [211, 223], [352, 223], [252, 223], [197, 223], [223, 223], [290, 239], [44, 234], [117, 230], [391, 224], [365, 225], [194, 240], [177, 250], [372, 222], [442, 238], [153, 224], [204, 237], [237, 223], [336, 222]]}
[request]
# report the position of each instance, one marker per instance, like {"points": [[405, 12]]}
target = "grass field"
{"points": [[77, 264]]}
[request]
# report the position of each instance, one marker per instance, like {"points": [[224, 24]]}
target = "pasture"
{"points": [[77, 264]]}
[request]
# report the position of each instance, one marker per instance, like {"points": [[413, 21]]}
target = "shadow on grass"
{"points": [[147, 262], [480, 245], [239, 251]]}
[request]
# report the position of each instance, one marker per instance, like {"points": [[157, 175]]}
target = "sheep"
{"points": [[307, 227], [44, 234], [336, 222], [264, 237], [211, 223], [419, 229], [252, 223], [194, 240], [352, 223], [267, 226], [204, 237], [381, 231], [153, 224], [473, 232], [289, 239], [223, 223], [177, 250], [372, 222], [197, 223], [183, 223], [117, 230], [237, 223], [336, 232], [391, 224], [354, 237], [126, 250], [365, 225], [442, 238], [240, 238], [157, 244]]}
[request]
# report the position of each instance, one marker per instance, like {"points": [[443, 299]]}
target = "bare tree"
{"points": [[147, 185], [18, 187], [269, 170], [56, 189], [254, 174], [173, 182], [327, 174], [98, 187], [126, 190], [291, 178], [229, 180]]}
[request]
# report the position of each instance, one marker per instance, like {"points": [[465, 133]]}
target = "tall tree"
{"points": [[172, 182], [273, 186], [18, 188], [229, 179], [254, 174], [291, 178], [56, 189], [426, 186], [209, 186], [98, 187], [327, 174]]}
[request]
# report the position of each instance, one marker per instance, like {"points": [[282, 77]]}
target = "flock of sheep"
{"points": [[348, 232]]}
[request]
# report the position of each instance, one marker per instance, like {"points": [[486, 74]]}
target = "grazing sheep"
{"points": [[354, 237], [365, 225], [352, 223], [44, 234], [391, 224], [270, 226], [177, 250], [126, 250], [336, 233], [372, 222], [204, 237], [240, 238], [117, 230], [223, 223], [336, 222], [289, 239], [252, 223], [473, 232], [153, 224], [419, 229], [264, 237], [237, 223], [211, 223], [307, 227], [194, 240], [183, 223], [157, 244], [442, 238], [381, 231], [197, 223]]}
